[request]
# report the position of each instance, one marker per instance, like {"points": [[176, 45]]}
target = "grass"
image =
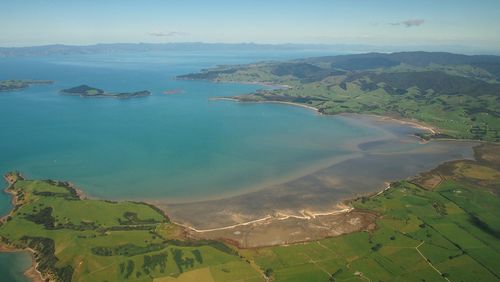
{"points": [[450, 242], [102, 240]]}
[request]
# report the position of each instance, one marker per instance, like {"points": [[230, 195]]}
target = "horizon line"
{"points": [[240, 43], [347, 48]]}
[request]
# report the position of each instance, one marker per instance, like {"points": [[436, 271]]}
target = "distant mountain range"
{"points": [[61, 49]]}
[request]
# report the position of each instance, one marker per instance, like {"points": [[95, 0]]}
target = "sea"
{"points": [[179, 147]]}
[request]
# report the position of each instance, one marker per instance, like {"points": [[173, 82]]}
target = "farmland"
{"points": [[93, 240], [446, 231]]}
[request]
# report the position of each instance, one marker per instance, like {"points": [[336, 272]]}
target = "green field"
{"points": [[92, 240], [411, 236], [441, 225]]}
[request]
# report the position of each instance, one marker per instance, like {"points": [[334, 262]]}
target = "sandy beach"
{"points": [[411, 122]]}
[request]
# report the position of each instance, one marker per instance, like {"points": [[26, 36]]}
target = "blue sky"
{"points": [[373, 22]]}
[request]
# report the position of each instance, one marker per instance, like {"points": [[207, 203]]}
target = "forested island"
{"points": [[458, 94], [11, 85], [88, 91]]}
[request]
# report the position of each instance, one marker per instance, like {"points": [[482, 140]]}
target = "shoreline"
{"points": [[342, 207], [13, 200], [266, 102], [32, 272], [411, 122], [408, 121]]}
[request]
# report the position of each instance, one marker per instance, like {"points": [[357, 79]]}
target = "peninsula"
{"points": [[458, 94], [11, 85], [88, 91]]}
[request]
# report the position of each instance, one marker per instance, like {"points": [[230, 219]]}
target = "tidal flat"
{"points": [[368, 169]]}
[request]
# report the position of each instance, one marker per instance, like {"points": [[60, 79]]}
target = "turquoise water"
{"points": [[164, 146], [13, 265]]}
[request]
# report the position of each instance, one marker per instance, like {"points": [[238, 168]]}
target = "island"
{"points": [[458, 95], [88, 91], [11, 85], [440, 225]]}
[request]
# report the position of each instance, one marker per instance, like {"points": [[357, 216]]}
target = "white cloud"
{"points": [[168, 33], [410, 22]]}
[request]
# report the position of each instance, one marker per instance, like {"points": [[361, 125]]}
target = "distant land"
{"points": [[62, 49], [11, 85], [458, 95], [88, 91]]}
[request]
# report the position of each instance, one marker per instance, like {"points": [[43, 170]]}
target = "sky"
{"points": [[370, 22]]}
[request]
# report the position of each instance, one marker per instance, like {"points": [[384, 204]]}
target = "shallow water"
{"points": [[183, 147], [13, 266], [170, 148], [177, 147], [367, 170]]}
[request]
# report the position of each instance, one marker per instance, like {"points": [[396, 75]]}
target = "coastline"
{"points": [[32, 272], [305, 215], [342, 207], [411, 122], [266, 102], [13, 200]]}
